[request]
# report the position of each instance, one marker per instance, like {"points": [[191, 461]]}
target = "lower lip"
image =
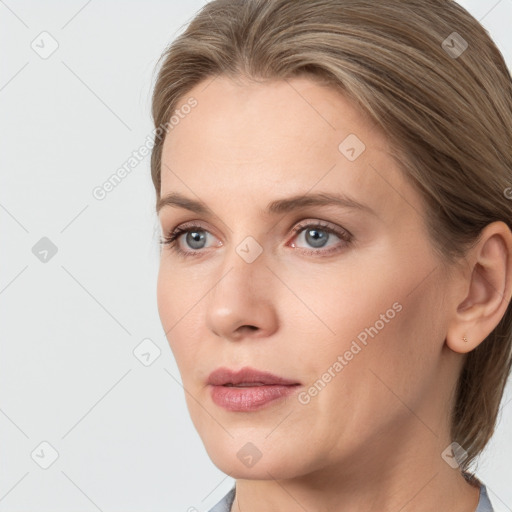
{"points": [[249, 398]]}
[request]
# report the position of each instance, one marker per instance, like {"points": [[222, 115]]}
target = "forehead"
{"points": [[290, 112], [277, 138]]}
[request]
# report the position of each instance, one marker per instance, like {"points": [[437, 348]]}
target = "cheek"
{"points": [[165, 296], [182, 315], [357, 389], [375, 332], [398, 363], [173, 305], [176, 293]]}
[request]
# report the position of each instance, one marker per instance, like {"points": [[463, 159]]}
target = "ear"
{"points": [[485, 289]]}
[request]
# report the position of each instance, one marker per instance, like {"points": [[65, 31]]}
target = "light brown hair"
{"points": [[448, 118]]}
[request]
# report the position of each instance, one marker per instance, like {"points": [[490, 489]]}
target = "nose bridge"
{"points": [[244, 267], [241, 295]]}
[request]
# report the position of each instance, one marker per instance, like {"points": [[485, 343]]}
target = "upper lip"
{"points": [[246, 375]]}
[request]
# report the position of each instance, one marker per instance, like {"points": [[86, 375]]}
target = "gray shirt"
{"points": [[224, 505]]}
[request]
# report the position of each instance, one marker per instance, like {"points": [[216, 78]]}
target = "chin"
{"points": [[254, 457]]}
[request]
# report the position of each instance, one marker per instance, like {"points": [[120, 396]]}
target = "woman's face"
{"points": [[350, 306]]}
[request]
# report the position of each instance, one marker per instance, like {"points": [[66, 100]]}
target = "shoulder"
{"points": [[484, 504], [224, 505]]}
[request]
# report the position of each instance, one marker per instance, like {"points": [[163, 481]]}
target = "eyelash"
{"points": [[172, 238]]}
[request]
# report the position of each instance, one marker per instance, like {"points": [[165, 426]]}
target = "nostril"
{"points": [[250, 327]]}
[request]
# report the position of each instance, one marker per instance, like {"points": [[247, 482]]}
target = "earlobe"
{"points": [[463, 344], [487, 289]]}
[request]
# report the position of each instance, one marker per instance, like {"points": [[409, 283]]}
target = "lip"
{"points": [[222, 376], [267, 388]]}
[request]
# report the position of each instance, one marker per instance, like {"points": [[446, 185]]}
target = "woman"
{"points": [[333, 189]]}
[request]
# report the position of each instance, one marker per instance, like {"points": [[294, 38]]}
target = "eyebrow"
{"points": [[279, 206]]}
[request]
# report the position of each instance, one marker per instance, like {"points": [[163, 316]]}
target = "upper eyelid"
{"points": [[310, 221]]}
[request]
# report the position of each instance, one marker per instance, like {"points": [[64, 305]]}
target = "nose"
{"points": [[241, 303]]}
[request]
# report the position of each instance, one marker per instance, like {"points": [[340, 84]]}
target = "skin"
{"points": [[372, 438]]}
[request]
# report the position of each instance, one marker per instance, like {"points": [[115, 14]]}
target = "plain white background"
{"points": [[69, 377]]}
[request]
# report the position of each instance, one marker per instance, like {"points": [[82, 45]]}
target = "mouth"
{"points": [[247, 377], [248, 390], [244, 385]]}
